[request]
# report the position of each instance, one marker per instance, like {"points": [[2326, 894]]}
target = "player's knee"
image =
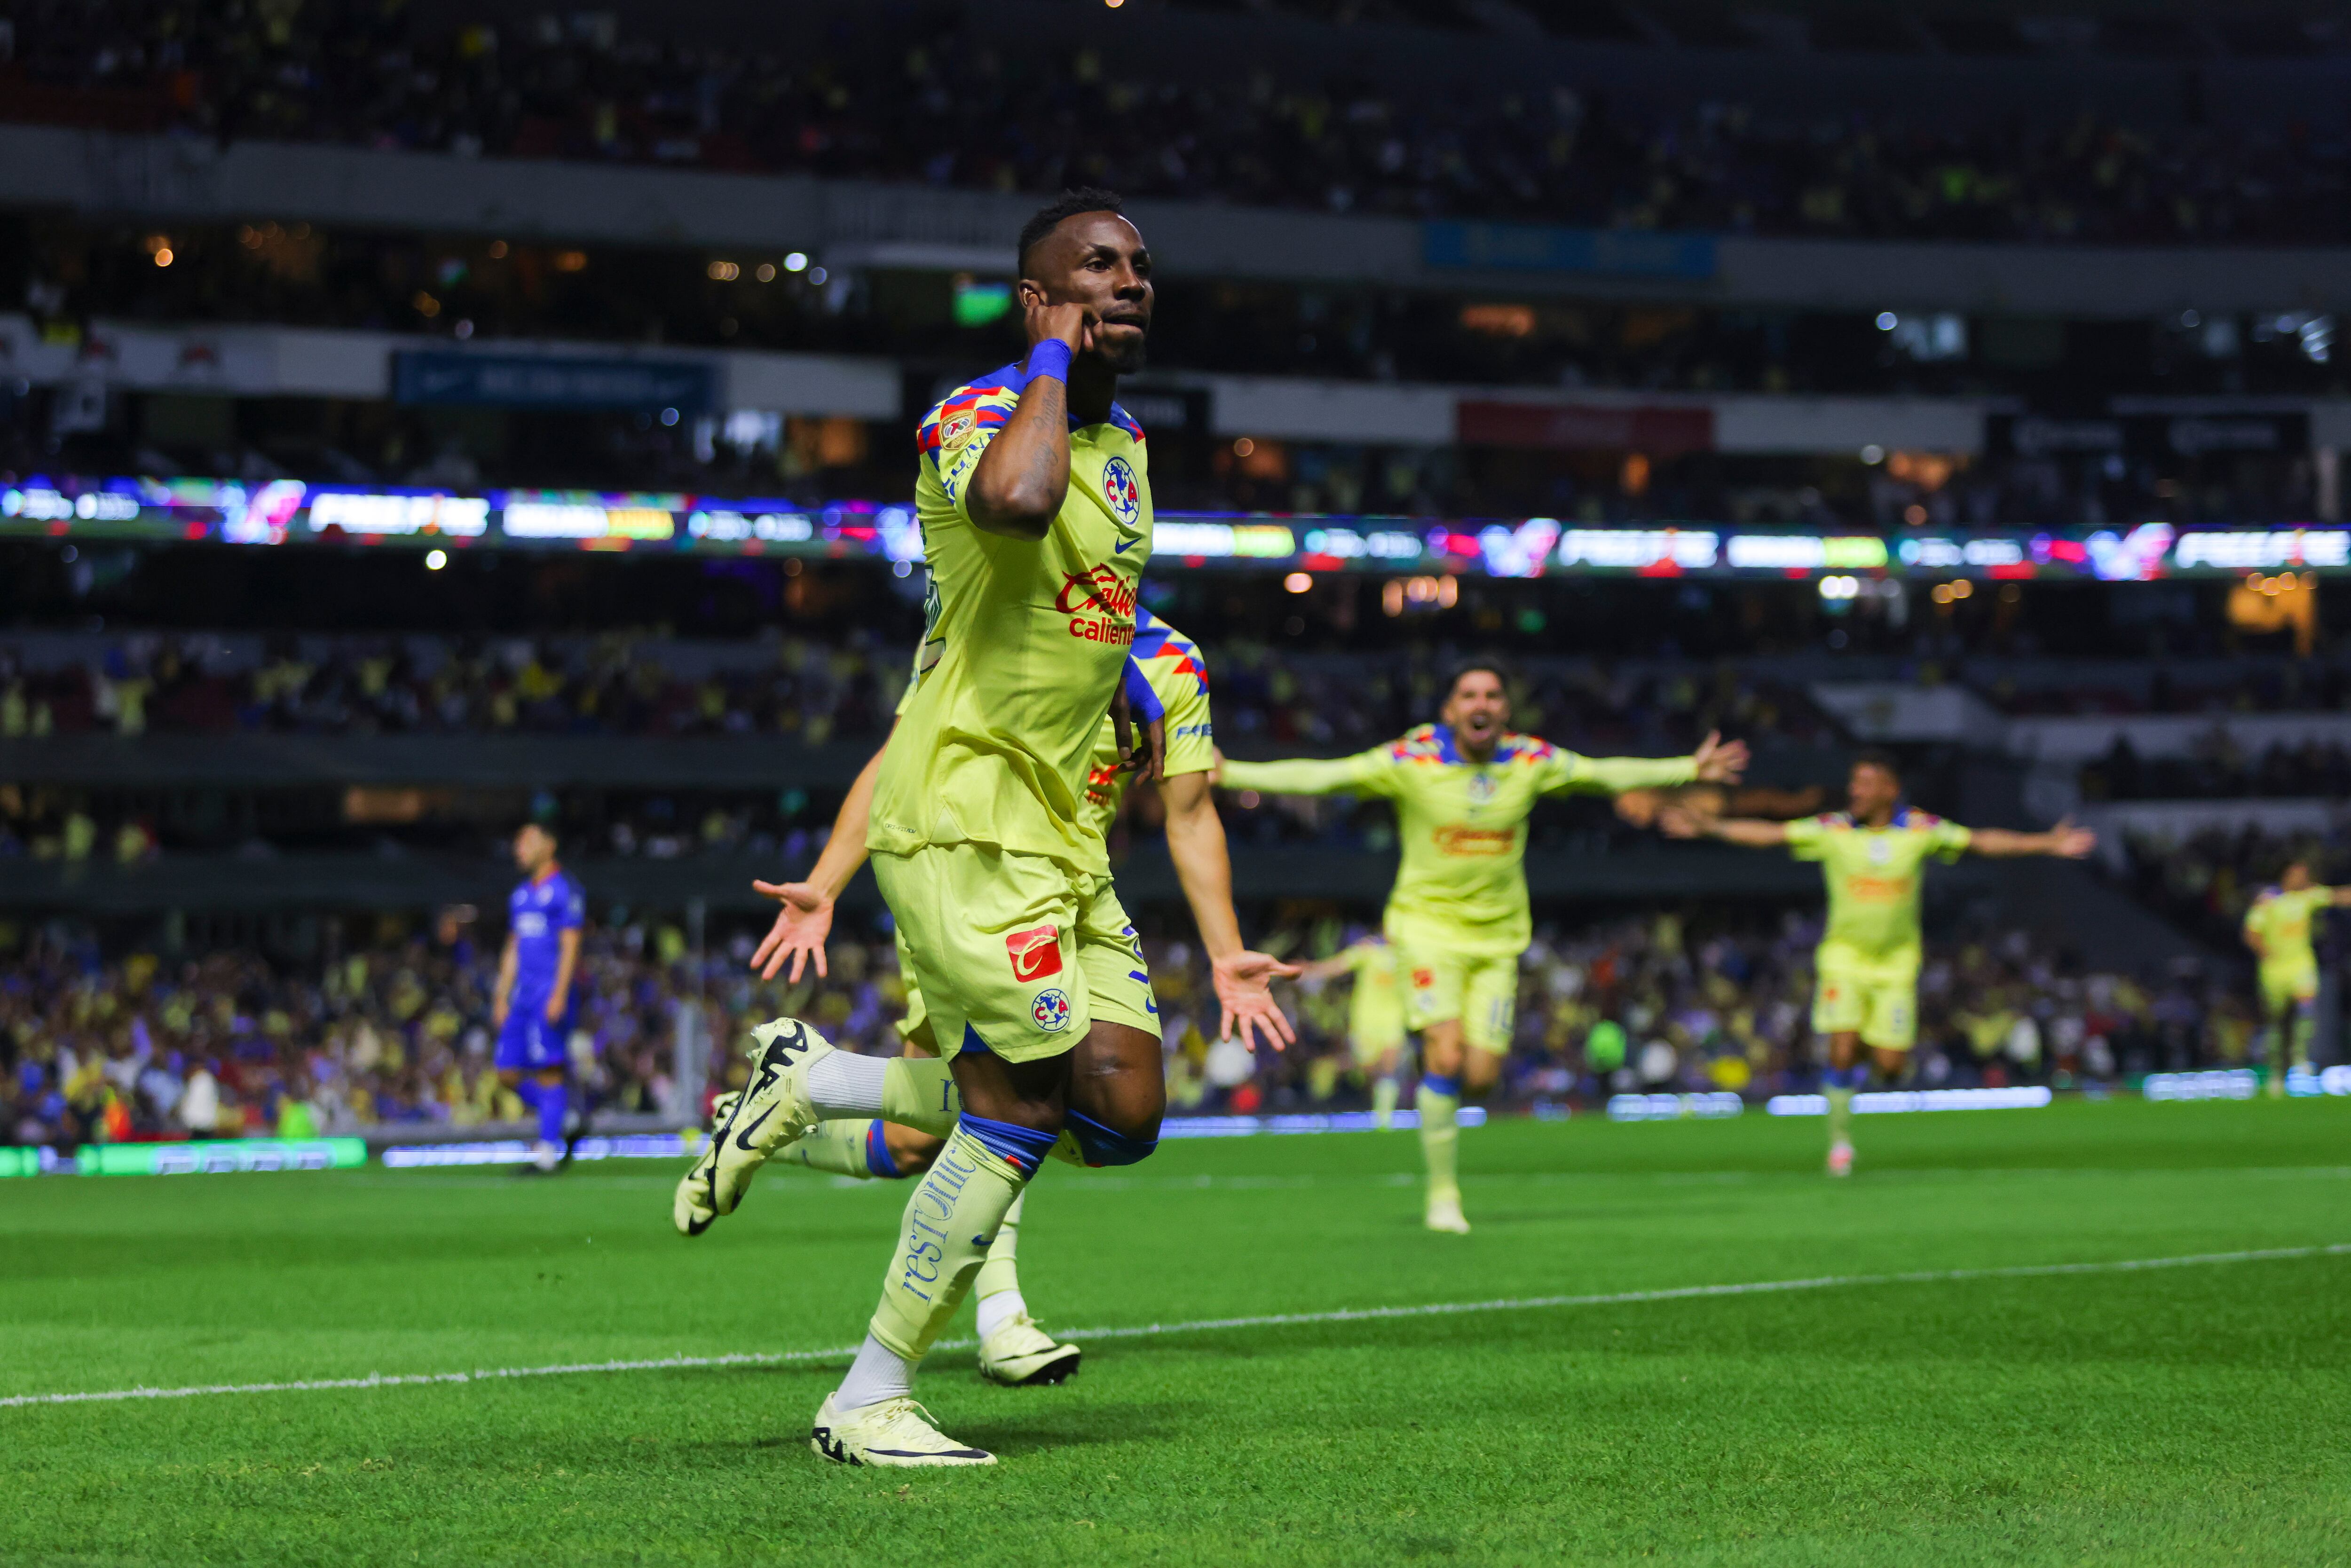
{"points": [[1101, 1143]]}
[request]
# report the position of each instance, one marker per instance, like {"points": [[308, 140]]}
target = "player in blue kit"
{"points": [[532, 1005]]}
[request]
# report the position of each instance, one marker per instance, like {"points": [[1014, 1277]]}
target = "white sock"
{"points": [[847, 1084], [1000, 1309], [878, 1373]]}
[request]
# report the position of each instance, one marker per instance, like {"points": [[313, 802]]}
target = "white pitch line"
{"points": [[1206, 1325]]}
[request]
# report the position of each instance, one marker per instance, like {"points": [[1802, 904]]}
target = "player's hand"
{"points": [[1681, 822], [1244, 983], [801, 926], [554, 1009], [1073, 324], [1142, 748], [2071, 841], [1719, 761]]}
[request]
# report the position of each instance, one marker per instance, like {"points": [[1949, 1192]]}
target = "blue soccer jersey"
{"points": [[539, 913]]}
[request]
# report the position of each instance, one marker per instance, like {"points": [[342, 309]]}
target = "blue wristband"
{"points": [[1050, 360]]}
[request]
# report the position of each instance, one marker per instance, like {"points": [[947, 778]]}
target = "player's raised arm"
{"points": [[806, 918], [1022, 478], [2065, 840], [1195, 842]]}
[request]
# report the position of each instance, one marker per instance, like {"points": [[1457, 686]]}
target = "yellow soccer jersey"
{"points": [[1165, 679], [1375, 1008], [1874, 874], [1024, 643], [2283, 921], [1462, 885]]}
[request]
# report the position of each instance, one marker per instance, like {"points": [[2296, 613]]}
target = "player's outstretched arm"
{"points": [[806, 918], [1020, 481], [1746, 831], [1244, 979], [2065, 840], [1365, 771], [1716, 761]]}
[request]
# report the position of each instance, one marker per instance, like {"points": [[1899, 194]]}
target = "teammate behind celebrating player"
{"points": [[1458, 914], [531, 1008], [2278, 930], [1865, 971], [1374, 1014]]}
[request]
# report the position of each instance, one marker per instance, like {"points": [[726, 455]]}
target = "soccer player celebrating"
{"points": [[1168, 686], [1036, 519], [1458, 914], [1866, 970], [1374, 1014], [531, 1008], [2278, 930]]}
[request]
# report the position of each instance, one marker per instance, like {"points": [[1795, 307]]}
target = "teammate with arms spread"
{"points": [[1458, 916], [2278, 930], [1168, 687], [1866, 972], [531, 1010], [1374, 1014], [1036, 518]]}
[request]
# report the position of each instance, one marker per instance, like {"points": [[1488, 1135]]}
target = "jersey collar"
{"points": [[1014, 377]]}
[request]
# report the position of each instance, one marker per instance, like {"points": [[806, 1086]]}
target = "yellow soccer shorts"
{"points": [[1010, 953], [2287, 987], [1442, 984], [1872, 995], [1372, 1041], [914, 1028]]}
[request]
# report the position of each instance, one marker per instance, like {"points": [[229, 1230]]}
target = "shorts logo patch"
{"points": [[1036, 953], [1050, 1011], [1125, 496], [1423, 978]]}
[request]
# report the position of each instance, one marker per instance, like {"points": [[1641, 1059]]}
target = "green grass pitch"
{"points": [[2176, 1416]]}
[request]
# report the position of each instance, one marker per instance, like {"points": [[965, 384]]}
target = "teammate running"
{"points": [[1374, 1014], [1168, 686], [1865, 971], [1035, 517], [1458, 914], [531, 1007], [2278, 930]]}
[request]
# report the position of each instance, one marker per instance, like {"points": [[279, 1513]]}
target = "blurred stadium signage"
{"points": [[514, 380], [220, 1157], [1541, 248], [289, 511]]}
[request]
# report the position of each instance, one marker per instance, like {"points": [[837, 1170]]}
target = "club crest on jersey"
{"points": [[1051, 1011], [1035, 953], [1482, 787], [1125, 496], [1880, 852]]}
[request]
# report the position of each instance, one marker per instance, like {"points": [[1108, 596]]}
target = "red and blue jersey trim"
{"points": [[990, 401], [1156, 640]]}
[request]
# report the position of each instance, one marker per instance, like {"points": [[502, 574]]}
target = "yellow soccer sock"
{"points": [[1383, 1101], [1440, 1138], [996, 1289], [950, 1222], [838, 1146], [1840, 1113], [919, 1091]]}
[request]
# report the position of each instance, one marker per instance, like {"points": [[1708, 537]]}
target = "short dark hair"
{"points": [[1881, 760], [1068, 204], [1494, 667]]}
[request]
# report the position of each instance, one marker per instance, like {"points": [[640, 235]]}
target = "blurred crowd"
{"points": [[2218, 768], [2204, 882], [2245, 686], [101, 1047], [408, 685], [950, 106]]}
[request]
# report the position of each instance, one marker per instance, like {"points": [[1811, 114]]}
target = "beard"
{"points": [[1124, 356]]}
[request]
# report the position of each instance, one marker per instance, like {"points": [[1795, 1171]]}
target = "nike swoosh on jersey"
{"points": [[1120, 548]]}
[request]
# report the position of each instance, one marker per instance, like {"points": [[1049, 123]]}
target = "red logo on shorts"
{"points": [[1423, 978], [1036, 953]]}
